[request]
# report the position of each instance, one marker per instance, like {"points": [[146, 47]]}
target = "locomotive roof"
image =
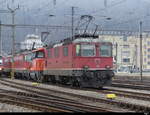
{"points": [[78, 39], [75, 38]]}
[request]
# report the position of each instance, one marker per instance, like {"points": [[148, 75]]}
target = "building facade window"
{"points": [[126, 46], [148, 56], [148, 49], [124, 38], [126, 53], [144, 66], [126, 60], [148, 43], [147, 35], [148, 63], [144, 59]]}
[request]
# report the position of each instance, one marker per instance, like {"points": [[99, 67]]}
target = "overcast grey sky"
{"points": [[124, 14]]}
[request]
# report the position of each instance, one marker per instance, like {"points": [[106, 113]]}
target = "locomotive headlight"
{"points": [[86, 67], [107, 67]]}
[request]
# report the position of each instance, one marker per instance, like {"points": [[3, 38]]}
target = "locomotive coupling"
{"points": [[108, 67]]}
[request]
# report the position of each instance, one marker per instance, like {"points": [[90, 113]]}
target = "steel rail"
{"points": [[101, 100], [135, 82], [15, 100], [87, 108], [131, 86], [46, 105]]}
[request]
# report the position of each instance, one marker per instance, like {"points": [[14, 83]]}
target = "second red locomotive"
{"points": [[84, 61]]}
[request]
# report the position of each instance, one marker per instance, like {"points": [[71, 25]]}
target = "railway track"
{"points": [[138, 82], [49, 105], [131, 84], [46, 93], [128, 94], [45, 101]]}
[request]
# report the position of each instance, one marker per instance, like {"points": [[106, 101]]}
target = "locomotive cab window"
{"points": [[78, 50], [28, 57], [56, 52], [38, 54], [49, 53], [105, 50], [65, 51], [85, 50]]}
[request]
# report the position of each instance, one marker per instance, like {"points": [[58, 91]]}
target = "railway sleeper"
{"points": [[133, 107]]}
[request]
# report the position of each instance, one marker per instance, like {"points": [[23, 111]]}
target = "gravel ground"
{"points": [[10, 88], [132, 76], [93, 94], [12, 108], [132, 90]]}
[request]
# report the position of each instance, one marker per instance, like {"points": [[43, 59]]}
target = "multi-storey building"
{"points": [[30, 41], [125, 51], [146, 51]]}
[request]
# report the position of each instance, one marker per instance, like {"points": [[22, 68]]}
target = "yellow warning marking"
{"points": [[111, 96], [35, 84]]}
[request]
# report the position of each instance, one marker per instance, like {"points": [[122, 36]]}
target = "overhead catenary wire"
{"points": [[108, 6], [131, 20]]}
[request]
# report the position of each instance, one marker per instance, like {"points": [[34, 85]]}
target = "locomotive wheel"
{"points": [[72, 82], [23, 76], [77, 83], [53, 80], [28, 76], [39, 77]]}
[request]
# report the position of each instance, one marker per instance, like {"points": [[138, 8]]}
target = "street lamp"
{"points": [[108, 18], [51, 15]]}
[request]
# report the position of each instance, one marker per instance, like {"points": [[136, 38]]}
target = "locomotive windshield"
{"points": [[0, 60], [38, 54], [86, 50], [105, 50]]}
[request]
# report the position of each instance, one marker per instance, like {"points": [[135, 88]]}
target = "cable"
{"points": [[109, 6], [131, 20]]}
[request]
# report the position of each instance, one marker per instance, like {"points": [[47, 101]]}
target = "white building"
{"points": [[30, 41], [124, 51]]}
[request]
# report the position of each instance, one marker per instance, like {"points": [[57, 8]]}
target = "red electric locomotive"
{"points": [[6, 63], [1, 64], [84, 61]]}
